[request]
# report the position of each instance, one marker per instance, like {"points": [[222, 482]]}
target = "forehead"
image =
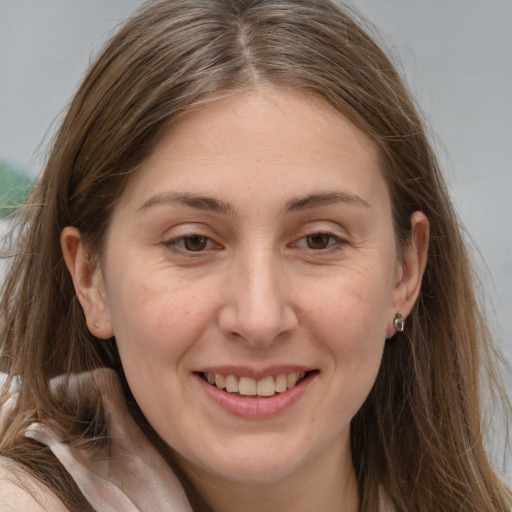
{"points": [[258, 137]]}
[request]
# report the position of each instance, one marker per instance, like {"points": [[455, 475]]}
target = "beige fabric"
{"points": [[134, 478]]}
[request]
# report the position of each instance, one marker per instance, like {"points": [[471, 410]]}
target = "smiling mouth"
{"points": [[249, 387]]}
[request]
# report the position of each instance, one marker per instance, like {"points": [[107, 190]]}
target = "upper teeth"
{"points": [[267, 386]]}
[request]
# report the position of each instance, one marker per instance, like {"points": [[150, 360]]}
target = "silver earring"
{"points": [[96, 324], [399, 322]]}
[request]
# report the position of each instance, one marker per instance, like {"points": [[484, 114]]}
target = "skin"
{"points": [[263, 289]]}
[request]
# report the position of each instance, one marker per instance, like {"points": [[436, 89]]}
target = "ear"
{"points": [[410, 270], [88, 281]]}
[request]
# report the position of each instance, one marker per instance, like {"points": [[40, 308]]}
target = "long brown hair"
{"points": [[418, 437]]}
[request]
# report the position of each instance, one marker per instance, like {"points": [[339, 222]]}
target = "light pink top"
{"points": [[134, 478]]}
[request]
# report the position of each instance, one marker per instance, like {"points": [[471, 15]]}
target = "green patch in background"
{"points": [[15, 186]]}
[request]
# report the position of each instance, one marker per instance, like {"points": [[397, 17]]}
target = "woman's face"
{"points": [[254, 249]]}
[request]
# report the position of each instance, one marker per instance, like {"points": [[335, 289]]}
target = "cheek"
{"points": [[156, 320], [351, 311], [348, 320], [157, 327]]}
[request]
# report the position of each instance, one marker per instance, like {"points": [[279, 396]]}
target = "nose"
{"points": [[258, 309]]}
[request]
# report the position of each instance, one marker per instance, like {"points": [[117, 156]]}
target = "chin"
{"points": [[255, 462], [253, 473], [248, 466]]}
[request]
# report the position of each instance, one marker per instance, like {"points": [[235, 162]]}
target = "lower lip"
{"points": [[256, 407]]}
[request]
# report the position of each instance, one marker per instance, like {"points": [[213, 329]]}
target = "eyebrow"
{"points": [[201, 202], [194, 201], [323, 199]]}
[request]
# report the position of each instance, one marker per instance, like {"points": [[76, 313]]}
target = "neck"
{"points": [[327, 483]]}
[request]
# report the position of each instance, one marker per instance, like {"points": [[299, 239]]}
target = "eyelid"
{"points": [[175, 241], [324, 226], [338, 240], [177, 236]]}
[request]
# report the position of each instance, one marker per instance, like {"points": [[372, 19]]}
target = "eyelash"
{"points": [[333, 241], [179, 244]]}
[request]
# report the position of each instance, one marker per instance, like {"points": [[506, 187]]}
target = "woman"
{"points": [[241, 283]]}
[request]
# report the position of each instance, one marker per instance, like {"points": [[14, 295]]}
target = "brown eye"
{"points": [[319, 241], [195, 243]]}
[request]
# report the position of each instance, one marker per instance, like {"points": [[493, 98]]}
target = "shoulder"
{"points": [[21, 491]]}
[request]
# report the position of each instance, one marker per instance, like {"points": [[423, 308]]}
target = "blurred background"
{"points": [[455, 54]]}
